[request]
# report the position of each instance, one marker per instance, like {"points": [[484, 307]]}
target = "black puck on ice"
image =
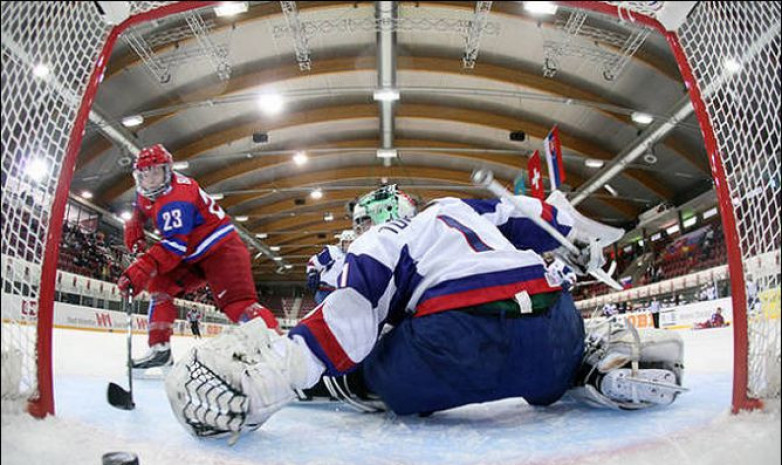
{"points": [[120, 458]]}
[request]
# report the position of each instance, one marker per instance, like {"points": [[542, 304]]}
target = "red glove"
{"points": [[137, 275], [134, 233]]}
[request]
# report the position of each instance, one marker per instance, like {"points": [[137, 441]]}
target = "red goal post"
{"points": [[44, 116]]}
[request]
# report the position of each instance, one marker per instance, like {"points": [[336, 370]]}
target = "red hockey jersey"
{"points": [[191, 223]]}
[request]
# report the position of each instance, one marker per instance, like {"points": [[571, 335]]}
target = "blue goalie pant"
{"points": [[458, 357]]}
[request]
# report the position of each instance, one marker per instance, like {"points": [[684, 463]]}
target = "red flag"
{"points": [[535, 176]]}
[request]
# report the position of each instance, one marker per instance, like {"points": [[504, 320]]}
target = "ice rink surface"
{"points": [[696, 429]]}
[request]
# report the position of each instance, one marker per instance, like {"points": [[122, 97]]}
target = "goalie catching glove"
{"points": [[235, 382], [627, 369]]}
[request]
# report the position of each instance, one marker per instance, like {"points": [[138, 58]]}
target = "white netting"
{"points": [[734, 51], [49, 50], [39, 107]]}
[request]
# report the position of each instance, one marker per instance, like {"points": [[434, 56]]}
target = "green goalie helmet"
{"points": [[385, 204]]}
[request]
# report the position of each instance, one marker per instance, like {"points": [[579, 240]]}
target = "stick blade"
{"points": [[119, 397]]}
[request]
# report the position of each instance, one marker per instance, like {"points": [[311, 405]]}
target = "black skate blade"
{"points": [[119, 397]]}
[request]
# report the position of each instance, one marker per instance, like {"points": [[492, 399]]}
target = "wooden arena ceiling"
{"points": [[450, 119]]}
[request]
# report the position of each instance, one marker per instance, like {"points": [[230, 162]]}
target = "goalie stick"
{"points": [[485, 179], [117, 396]]}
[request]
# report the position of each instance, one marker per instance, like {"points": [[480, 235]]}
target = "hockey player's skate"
{"points": [[627, 369], [156, 363]]}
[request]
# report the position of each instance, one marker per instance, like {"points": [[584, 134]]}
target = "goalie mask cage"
{"points": [[45, 112]]}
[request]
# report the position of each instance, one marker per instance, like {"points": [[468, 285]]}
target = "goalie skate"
{"points": [[639, 390]]}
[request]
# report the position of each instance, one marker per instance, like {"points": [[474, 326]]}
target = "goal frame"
{"points": [[44, 403]]}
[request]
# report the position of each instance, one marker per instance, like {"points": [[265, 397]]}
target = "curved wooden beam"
{"points": [[345, 112], [394, 173], [439, 65]]}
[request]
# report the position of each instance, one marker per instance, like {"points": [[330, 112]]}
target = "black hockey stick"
{"points": [[117, 396]]}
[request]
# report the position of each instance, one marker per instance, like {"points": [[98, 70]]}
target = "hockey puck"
{"points": [[120, 458]]}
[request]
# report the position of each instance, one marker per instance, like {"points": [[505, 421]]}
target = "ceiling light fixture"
{"points": [[300, 158], [37, 169], [386, 153], [132, 121], [540, 8], [270, 103], [225, 9], [386, 95], [41, 70], [641, 117], [594, 163]]}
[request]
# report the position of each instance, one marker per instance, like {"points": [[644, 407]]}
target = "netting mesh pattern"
{"points": [[734, 51], [49, 50]]}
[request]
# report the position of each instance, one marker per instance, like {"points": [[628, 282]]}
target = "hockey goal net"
{"points": [[54, 55]]}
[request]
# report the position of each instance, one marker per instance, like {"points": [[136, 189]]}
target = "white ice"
{"points": [[696, 429]]}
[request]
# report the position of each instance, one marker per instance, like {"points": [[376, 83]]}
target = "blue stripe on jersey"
{"points": [[482, 206], [174, 245], [484, 280], [524, 234], [470, 236], [367, 276], [406, 279], [210, 240]]}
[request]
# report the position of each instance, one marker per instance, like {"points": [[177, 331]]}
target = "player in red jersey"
{"points": [[199, 246]]}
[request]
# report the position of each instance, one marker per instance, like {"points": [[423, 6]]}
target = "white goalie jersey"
{"points": [[456, 253]]}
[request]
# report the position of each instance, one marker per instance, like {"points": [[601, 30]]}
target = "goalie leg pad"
{"points": [[235, 382]]}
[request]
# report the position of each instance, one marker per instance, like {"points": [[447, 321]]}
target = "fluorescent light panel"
{"points": [[641, 117], [132, 121], [540, 8], [230, 9], [386, 95], [386, 153]]}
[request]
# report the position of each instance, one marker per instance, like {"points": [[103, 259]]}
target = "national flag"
{"points": [[535, 176], [518, 184], [556, 167]]}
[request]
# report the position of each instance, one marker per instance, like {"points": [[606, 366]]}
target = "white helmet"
{"points": [[345, 238], [385, 204]]}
